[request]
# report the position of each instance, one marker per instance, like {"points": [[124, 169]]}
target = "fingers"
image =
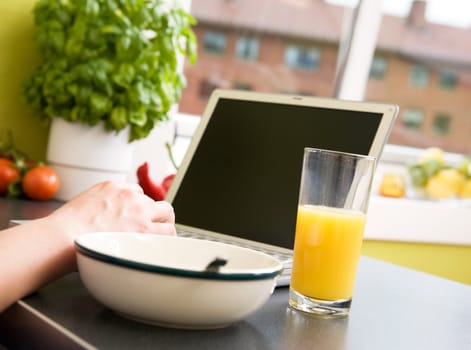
{"points": [[134, 187], [120, 206], [164, 228], [162, 219], [124, 186], [163, 213]]}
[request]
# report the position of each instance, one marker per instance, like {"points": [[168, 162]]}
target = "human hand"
{"points": [[111, 206], [45, 246]]}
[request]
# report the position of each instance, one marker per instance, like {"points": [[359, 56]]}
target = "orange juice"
{"points": [[326, 251]]}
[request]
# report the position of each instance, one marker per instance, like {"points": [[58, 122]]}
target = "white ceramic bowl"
{"points": [[163, 280]]}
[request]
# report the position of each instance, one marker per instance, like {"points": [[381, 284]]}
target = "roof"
{"points": [[321, 21], [440, 43], [286, 17]]}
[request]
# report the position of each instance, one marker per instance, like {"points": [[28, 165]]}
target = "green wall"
{"points": [[18, 58], [448, 261]]}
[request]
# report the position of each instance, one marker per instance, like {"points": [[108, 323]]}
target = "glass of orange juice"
{"points": [[333, 200]]}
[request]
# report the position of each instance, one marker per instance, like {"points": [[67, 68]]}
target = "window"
{"points": [[413, 118], [241, 86], [441, 124], [419, 75], [448, 79], [215, 43], [280, 54], [378, 68], [302, 58], [247, 48], [207, 86]]}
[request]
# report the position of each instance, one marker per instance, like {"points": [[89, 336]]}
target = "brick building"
{"points": [[291, 46]]}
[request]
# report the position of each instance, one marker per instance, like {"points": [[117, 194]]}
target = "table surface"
{"points": [[393, 308]]}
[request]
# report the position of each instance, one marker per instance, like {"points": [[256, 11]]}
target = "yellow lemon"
{"points": [[433, 153], [392, 185], [445, 183], [465, 191]]}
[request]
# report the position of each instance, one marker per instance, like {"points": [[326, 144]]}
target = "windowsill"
{"points": [[415, 220], [411, 219]]}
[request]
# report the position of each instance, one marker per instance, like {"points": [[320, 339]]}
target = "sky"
{"points": [[450, 12]]}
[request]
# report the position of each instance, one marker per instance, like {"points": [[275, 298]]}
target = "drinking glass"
{"points": [[333, 201]]}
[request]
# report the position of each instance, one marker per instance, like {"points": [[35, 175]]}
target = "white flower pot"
{"points": [[83, 156]]}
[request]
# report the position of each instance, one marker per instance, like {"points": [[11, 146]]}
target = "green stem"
{"points": [[8, 148], [170, 155]]}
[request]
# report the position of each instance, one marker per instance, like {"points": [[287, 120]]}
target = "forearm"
{"points": [[32, 255]]}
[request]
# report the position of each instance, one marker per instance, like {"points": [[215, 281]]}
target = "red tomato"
{"points": [[167, 181], [40, 183], [8, 174]]}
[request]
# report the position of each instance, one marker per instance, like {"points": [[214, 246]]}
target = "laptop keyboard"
{"points": [[285, 259]]}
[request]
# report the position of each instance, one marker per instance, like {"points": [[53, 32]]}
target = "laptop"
{"points": [[239, 180]]}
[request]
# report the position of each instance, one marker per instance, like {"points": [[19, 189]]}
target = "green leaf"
{"points": [[84, 93], [123, 45], [100, 104], [74, 114], [15, 189], [118, 118], [138, 117], [92, 8], [125, 75], [111, 29], [73, 47]]}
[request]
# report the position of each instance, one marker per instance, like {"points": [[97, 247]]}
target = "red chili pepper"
{"points": [[153, 190], [167, 181]]}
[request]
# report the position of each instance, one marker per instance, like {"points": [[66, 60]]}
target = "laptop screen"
{"points": [[244, 175]]}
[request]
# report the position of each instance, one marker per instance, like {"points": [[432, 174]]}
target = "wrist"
{"points": [[59, 235]]}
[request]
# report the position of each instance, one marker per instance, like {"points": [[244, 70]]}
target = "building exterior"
{"points": [[291, 46]]}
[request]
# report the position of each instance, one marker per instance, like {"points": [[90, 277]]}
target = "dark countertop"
{"points": [[22, 209], [393, 308]]}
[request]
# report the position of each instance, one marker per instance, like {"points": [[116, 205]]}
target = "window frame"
{"points": [[444, 79], [419, 75], [441, 118], [250, 45], [215, 48], [378, 71], [409, 115], [302, 57]]}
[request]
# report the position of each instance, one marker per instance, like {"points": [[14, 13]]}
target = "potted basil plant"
{"points": [[109, 67]]}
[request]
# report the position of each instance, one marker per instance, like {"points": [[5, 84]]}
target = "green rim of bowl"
{"points": [[134, 265]]}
